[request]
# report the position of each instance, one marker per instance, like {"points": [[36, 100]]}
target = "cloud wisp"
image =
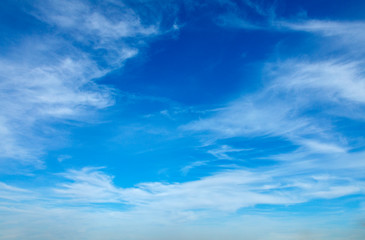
{"points": [[225, 191], [290, 146], [301, 103], [301, 96], [55, 79]]}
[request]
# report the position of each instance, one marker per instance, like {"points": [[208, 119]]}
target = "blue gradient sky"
{"points": [[182, 119]]}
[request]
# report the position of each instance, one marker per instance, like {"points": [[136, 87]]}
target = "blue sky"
{"points": [[182, 119]]}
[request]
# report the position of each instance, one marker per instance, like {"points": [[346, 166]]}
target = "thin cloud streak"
{"points": [[302, 100], [225, 191], [56, 80]]}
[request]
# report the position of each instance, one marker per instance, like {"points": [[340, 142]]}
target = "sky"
{"points": [[169, 119]]}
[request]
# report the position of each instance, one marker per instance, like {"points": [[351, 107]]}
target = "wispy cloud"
{"points": [[113, 28], [14, 194], [186, 169], [225, 191], [86, 223], [166, 204], [62, 89], [237, 14], [351, 30], [324, 87], [89, 185], [301, 102], [223, 152], [55, 79]]}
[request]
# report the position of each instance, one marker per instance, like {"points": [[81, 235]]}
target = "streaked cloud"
{"points": [[225, 191], [281, 159], [55, 79]]}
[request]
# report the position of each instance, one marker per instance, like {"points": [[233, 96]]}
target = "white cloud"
{"points": [[63, 86], [13, 194], [222, 152], [325, 89], [113, 28], [53, 77], [330, 80], [236, 16], [253, 116], [225, 191], [84, 223], [104, 22], [63, 157], [58, 90], [321, 147], [300, 102], [69, 208], [185, 170], [351, 31], [89, 184]]}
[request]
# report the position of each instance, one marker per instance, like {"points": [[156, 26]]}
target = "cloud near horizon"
{"points": [[194, 139]]}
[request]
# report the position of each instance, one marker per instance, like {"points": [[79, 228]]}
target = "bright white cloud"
{"points": [[63, 85], [175, 206], [331, 81], [295, 88], [351, 31], [40, 92], [300, 102], [226, 191], [53, 77]]}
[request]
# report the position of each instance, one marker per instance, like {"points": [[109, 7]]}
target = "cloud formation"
{"points": [[302, 149], [53, 77], [225, 191]]}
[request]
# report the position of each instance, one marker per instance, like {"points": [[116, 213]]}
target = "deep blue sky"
{"points": [[182, 119]]}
